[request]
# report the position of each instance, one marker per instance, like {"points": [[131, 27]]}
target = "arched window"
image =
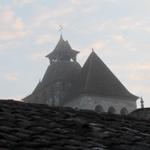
{"points": [[123, 111], [111, 110], [99, 109]]}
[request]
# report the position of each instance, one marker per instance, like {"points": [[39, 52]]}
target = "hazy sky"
{"points": [[118, 30]]}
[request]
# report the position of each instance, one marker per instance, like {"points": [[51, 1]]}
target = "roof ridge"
{"points": [[89, 71]]}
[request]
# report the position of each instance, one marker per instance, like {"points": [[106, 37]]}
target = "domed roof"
{"points": [[59, 71]]}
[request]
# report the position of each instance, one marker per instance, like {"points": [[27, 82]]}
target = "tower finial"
{"points": [[60, 29], [92, 49], [142, 102]]}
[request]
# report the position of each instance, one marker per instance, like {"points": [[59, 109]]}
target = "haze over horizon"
{"points": [[119, 32]]}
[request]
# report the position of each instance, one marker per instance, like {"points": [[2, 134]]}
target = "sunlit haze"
{"points": [[118, 31]]}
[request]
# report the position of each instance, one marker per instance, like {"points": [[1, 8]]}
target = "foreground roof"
{"points": [[96, 78], [25, 126]]}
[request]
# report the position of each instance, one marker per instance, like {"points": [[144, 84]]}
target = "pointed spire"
{"points": [[62, 52], [97, 78]]}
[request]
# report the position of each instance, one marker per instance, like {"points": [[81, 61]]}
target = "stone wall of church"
{"points": [[56, 93], [104, 104]]}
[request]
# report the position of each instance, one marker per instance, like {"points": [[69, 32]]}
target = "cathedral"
{"points": [[92, 86]]}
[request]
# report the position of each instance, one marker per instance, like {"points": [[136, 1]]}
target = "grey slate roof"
{"points": [[25, 126], [96, 78], [59, 71]]}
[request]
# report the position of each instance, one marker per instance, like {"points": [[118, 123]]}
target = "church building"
{"points": [[92, 86]]}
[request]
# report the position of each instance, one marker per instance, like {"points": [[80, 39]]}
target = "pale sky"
{"points": [[118, 30]]}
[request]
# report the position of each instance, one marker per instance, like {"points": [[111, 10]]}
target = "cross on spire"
{"points": [[60, 29], [142, 102]]}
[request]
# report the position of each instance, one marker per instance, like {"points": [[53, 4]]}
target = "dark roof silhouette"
{"points": [[96, 78], [62, 48], [26, 126]]}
